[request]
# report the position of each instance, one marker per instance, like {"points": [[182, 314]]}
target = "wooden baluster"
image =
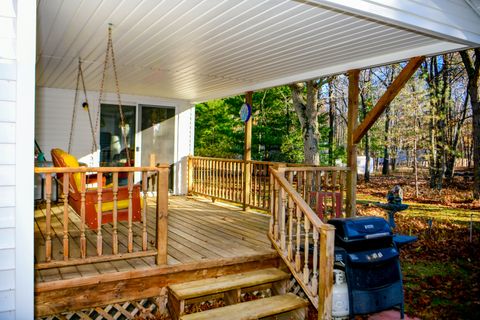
{"points": [[115, 213], [272, 207], [326, 188], [255, 192], [144, 211], [236, 182], [229, 180], [83, 238], [191, 174], [204, 177], [306, 271], [66, 189], [210, 177], [319, 181], [221, 187], [290, 228], [305, 185], [232, 180], [334, 189], [200, 178], [207, 176], [282, 206], [264, 186], [308, 186], [315, 262], [130, 211], [298, 258], [99, 213], [225, 179], [342, 189], [276, 199], [48, 218], [215, 179]]}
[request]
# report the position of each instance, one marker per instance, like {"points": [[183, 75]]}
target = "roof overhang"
{"points": [[199, 50]]}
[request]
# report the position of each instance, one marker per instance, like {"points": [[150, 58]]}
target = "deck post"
{"points": [[190, 175], [353, 79], [162, 215], [247, 180], [325, 289]]}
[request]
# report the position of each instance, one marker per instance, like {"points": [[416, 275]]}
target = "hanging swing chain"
{"points": [[74, 108], [94, 140], [117, 87]]}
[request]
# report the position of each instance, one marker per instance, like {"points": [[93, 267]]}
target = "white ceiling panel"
{"points": [[202, 49]]}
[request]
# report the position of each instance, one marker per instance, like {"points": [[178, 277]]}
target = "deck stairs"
{"points": [[278, 305]]}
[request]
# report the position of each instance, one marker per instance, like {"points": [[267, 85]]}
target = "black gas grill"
{"points": [[364, 248]]}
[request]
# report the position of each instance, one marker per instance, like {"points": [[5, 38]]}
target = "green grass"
{"points": [[427, 210]]}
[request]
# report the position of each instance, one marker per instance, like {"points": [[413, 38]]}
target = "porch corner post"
{"points": [[162, 215], [353, 91], [247, 156]]}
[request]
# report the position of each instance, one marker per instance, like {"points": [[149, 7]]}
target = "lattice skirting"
{"points": [[149, 308]]}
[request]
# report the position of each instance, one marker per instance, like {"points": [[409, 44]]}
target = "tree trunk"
{"points": [[386, 160], [331, 121], [366, 173], [473, 71], [307, 111]]}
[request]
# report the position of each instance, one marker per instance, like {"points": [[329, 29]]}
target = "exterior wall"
{"points": [[17, 78], [53, 124]]}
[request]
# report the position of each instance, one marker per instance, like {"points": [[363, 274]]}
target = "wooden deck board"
{"points": [[198, 231]]}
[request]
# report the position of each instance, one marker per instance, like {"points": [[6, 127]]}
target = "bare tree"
{"points": [[305, 102], [472, 65]]}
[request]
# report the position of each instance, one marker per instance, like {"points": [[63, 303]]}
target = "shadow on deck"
{"points": [[204, 240]]}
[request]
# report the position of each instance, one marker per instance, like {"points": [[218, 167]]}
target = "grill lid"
{"points": [[360, 228]]}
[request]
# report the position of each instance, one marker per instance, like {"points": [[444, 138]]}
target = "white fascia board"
{"points": [[380, 60], [438, 18]]}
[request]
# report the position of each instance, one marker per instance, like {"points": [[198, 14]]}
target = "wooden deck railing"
{"points": [[304, 242], [106, 199], [323, 188]]}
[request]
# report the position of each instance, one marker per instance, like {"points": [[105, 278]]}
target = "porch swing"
{"points": [[61, 158]]}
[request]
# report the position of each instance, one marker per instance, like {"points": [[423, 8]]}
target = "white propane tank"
{"points": [[340, 305]]}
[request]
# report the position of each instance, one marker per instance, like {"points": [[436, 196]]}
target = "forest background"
{"points": [[432, 118]]}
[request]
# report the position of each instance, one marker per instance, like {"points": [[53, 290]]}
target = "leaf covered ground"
{"points": [[442, 269]]}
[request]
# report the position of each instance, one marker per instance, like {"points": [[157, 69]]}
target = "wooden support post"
{"points": [[190, 175], [162, 215], [353, 78], [325, 289], [386, 98], [247, 180]]}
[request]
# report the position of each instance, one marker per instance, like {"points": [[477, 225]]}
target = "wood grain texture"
{"points": [[253, 309]]}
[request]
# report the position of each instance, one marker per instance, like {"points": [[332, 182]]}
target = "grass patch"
{"points": [[427, 210]]}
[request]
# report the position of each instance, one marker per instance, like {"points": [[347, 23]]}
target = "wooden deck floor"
{"points": [[198, 231]]}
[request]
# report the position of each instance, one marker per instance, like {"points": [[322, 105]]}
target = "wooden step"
{"points": [[209, 286], [229, 287], [252, 309]]}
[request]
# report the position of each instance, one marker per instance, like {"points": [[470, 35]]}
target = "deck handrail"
{"points": [[291, 219], [73, 181], [224, 179]]}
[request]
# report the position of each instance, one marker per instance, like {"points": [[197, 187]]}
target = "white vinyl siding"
{"points": [[53, 118], [17, 65], [8, 89]]}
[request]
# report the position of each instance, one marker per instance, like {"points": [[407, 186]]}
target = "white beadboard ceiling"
{"points": [[201, 49]]}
